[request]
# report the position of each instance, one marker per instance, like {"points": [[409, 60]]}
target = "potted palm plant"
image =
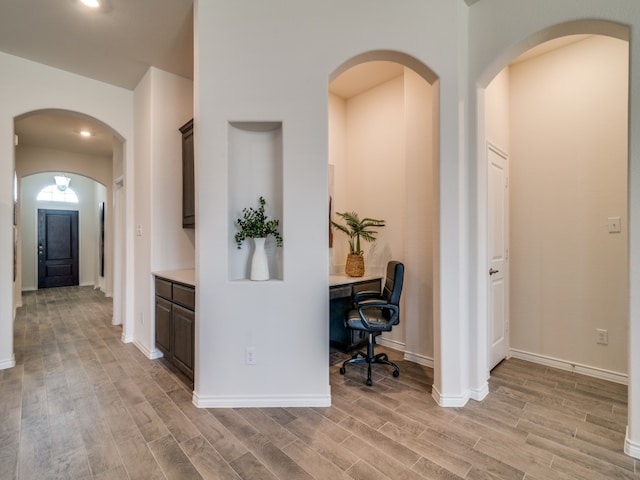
{"points": [[255, 224], [357, 230]]}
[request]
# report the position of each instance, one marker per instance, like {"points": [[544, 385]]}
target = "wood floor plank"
{"points": [[80, 404], [172, 460], [268, 427], [402, 445], [318, 465], [225, 442], [138, 460], [147, 420], [324, 445], [381, 461], [208, 462], [249, 467], [72, 464], [283, 466]]}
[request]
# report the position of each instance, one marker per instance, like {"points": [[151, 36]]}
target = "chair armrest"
{"points": [[381, 305], [365, 294]]}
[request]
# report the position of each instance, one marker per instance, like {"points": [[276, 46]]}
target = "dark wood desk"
{"points": [[341, 290]]}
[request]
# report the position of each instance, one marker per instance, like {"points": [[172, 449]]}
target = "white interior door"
{"points": [[498, 177]]}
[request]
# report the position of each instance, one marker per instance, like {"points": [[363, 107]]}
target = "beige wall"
{"points": [[568, 140], [380, 145]]}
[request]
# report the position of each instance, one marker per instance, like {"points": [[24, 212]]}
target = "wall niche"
{"points": [[255, 170]]}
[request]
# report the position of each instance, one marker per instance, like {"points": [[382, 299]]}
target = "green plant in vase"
{"points": [[255, 224], [357, 230]]}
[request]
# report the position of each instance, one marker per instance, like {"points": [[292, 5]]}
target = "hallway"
{"points": [[80, 404]]}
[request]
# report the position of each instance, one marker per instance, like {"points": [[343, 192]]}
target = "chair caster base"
{"points": [[342, 370], [369, 382]]}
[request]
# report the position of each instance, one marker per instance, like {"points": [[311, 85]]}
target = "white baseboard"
{"points": [[408, 356], [258, 401], [449, 400], [126, 339], [8, 363], [595, 372], [419, 359], [150, 354], [631, 448], [388, 342], [479, 394]]}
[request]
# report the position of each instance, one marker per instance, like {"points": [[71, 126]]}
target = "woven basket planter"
{"points": [[355, 265]]}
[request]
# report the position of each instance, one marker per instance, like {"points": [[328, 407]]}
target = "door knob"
{"points": [[492, 271]]}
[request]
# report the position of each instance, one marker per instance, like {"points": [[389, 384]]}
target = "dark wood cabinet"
{"points": [[188, 177], [340, 302], [175, 323], [183, 335], [163, 325]]}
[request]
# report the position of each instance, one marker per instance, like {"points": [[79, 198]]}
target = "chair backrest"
{"points": [[393, 283]]}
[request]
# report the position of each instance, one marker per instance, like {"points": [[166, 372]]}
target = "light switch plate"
{"points": [[614, 224]]}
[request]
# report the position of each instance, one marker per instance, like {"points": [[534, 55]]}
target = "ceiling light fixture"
{"points": [[62, 181], [85, 133], [91, 3]]}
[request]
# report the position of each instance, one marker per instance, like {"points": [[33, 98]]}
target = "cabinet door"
{"points": [[163, 326], [183, 339], [188, 177]]}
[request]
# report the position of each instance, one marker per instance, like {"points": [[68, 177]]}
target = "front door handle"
{"points": [[492, 271]]}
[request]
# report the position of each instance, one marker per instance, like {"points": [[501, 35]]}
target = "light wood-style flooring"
{"points": [[80, 404]]}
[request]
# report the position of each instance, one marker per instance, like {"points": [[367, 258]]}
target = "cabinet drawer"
{"points": [[373, 285], [340, 292], [163, 288], [185, 296]]}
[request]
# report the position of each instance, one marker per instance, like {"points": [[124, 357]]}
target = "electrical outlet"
{"points": [[251, 356], [614, 224], [602, 336]]}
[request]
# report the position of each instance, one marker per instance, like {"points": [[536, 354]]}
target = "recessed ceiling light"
{"points": [[91, 3], [85, 133]]}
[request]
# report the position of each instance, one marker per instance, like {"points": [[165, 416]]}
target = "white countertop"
{"points": [[186, 276], [345, 279]]}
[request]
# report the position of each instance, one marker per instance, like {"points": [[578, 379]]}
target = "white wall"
{"points": [[284, 77], [163, 103], [87, 209], [569, 275], [515, 27], [24, 87]]}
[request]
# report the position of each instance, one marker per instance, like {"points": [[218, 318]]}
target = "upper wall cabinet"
{"points": [[188, 177]]}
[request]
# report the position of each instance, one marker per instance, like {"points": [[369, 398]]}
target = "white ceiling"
{"points": [[61, 131], [115, 44]]}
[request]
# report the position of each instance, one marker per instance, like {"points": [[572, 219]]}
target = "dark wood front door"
{"points": [[57, 248]]}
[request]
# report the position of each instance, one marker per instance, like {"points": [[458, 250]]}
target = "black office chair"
{"points": [[376, 312]]}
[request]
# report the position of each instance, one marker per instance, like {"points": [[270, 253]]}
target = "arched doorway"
{"points": [[383, 163], [561, 286], [52, 141]]}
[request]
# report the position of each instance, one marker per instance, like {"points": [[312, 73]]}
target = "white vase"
{"points": [[259, 262]]}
